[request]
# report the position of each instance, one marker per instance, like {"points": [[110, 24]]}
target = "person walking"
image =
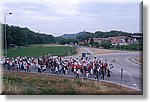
{"points": [[108, 73], [103, 73], [56, 70], [39, 68], [87, 73], [28, 67], [77, 73]]}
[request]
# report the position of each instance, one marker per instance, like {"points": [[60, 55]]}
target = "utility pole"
{"points": [[5, 33]]}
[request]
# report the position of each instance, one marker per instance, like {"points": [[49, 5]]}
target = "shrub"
{"points": [[47, 91], [29, 90], [71, 91]]}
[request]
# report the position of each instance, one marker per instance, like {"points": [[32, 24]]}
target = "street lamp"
{"points": [[5, 33]]}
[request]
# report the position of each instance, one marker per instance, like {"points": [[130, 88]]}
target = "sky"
{"points": [[58, 17]]}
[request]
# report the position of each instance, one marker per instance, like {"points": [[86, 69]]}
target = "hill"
{"points": [[24, 36], [72, 36], [100, 34], [44, 84]]}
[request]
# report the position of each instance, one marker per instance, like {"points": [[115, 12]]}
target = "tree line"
{"points": [[100, 34], [24, 36]]}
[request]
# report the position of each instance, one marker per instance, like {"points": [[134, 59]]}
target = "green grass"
{"points": [[35, 51]]}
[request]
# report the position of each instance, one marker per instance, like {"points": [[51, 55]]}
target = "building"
{"points": [[137, 38], [118, 40], [97, 40]]}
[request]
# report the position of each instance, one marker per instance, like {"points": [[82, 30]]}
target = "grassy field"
{"points": [[30, 84], [41, 51]]}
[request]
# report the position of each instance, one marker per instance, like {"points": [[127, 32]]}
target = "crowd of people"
{"points": [[82, 66]]}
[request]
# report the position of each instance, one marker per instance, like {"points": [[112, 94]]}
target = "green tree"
{"points": [[96, 44], [91, 41], [24, 36], [106, 44]]}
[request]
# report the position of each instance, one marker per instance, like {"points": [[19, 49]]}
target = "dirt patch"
{"points": [[105, 51], [48, 45], [138, 60]]}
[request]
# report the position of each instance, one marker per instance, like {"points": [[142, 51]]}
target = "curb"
{"points": [[134, 61]]}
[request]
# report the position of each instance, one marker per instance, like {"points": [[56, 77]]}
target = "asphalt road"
{"points": [[132, 72]]}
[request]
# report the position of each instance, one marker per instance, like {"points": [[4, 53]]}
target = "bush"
{"points": [[12, 80], [47, 91], [79, 83], [129, 47], [29, 90], [71, 91], [106, 44]]}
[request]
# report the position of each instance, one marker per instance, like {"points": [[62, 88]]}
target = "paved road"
{"points": [[132, 73]]}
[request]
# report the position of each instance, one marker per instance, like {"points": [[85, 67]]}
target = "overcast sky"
{"points": [[57, 17]]}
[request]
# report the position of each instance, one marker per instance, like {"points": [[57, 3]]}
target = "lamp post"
{"points": [[5, 33]]}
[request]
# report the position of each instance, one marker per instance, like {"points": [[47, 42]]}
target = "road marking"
{"points": [[127, 59], [133, 83]]}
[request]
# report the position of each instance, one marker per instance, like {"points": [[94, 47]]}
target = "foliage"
{"points": [[91, 41], [24, 36], [138, 46], [100, 34], [12, 80], [106, 44], [71, 91], [63, 41], [96, 44], [29, 90], [47, 91], [44, 84], [85, 36]]}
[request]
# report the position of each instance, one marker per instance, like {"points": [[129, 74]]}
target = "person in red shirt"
{"points": [[72, 67], [28, 67]]}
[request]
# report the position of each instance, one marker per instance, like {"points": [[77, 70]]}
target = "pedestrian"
{"points": [[103, 73], [77, 73], [28, 67], [56, 70], [87, 74], [108, 73], [39, 68], [22, 66], [97, 73]]}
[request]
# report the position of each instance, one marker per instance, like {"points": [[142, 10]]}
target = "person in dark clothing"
{"points": [[39, 69], [103, 73], [77, 74], [97, 75], [108, 72]]}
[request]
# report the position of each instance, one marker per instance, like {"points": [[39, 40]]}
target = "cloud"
{"points": [[72, 15]]}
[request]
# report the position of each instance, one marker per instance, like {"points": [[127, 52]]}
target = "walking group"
{"points": [[78, 67]]}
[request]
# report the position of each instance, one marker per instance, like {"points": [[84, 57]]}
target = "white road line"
{"points": [[133, 83], [127, 59]]}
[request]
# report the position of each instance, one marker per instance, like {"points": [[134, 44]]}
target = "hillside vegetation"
{"points": [[24, 36], [30, 84]]}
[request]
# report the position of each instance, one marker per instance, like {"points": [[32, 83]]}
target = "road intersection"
{"points": [[132, 72]]}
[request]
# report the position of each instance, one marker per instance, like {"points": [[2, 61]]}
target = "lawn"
{"points": [[30, 84], [35, 51]]}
